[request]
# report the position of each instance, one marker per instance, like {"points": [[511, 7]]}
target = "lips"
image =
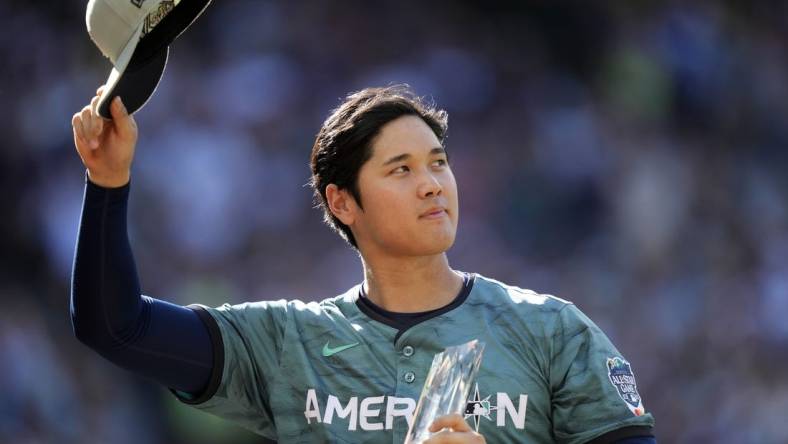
{"points": [[433, 213]]}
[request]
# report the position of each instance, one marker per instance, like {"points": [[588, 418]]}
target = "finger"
{"points": [[124, 123], [94, 105], [97, 122], [101, 90], [85, 120], [79, 138], [454, 422], [455, 438]]}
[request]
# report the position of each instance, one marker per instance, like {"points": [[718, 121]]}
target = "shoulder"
{"points": [[517, 309], [498, 293], [283, 309]]}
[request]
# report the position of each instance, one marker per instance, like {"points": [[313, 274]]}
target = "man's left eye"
{"points": [[440, 162]]}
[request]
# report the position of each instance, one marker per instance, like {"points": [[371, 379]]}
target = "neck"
{"points": [[411, 285]]}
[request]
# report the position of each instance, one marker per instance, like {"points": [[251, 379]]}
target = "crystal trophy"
{"points": [[447, 387]]}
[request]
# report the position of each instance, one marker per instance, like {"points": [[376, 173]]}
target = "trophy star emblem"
{"points": [[478, 407]]}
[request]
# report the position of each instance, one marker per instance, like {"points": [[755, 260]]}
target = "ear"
{"points": [[342, 204]]}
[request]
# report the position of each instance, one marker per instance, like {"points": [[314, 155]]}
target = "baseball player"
{"points": [[351, 368]]}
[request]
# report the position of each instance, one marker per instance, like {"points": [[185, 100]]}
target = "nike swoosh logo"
{"points": [[328, 351]]}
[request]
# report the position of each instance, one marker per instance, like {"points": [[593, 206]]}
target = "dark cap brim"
{"points": [[135, 85]]}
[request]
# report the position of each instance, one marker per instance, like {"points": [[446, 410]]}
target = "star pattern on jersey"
{"points": [[478, 407]]}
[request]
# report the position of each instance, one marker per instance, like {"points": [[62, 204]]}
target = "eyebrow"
{"points": [[405, 156]]}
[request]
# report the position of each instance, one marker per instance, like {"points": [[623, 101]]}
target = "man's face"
{"points": [[408, 193]]}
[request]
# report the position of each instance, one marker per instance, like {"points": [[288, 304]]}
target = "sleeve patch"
{"points": [[620, 374]]}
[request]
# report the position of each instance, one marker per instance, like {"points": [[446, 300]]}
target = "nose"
{"points": [[430, 186]]}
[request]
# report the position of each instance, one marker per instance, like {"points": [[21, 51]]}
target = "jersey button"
{"points": [[407, 351], [410, 377]]}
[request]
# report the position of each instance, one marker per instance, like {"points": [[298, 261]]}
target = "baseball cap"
{"points": [[135, 36]]}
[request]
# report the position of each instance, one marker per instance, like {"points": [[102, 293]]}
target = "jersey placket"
{"points": [[411, 373], [416, 347]]}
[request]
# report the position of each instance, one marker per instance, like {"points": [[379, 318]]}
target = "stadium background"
{"points": [[630, 158]]}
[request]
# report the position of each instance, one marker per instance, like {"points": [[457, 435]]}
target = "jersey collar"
{"points": [[404, 321]]}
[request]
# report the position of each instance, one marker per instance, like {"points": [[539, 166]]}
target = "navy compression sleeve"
{"points": [[627, 435], [166, 342], [638, 440]]}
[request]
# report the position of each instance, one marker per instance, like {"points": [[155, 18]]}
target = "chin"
{"points": [[431, 245], [417, 241]]}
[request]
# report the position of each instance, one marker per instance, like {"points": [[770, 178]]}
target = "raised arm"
{"points": [[163, 341]]}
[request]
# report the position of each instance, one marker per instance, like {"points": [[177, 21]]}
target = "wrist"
{"points": [[109, 181]]}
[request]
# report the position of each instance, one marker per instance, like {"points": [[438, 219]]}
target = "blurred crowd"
{"points": [[628, 156]]}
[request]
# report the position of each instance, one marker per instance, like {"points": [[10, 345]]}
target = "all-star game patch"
{"points": [[620, 374]]}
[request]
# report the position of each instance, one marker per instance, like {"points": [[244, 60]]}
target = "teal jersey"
{"points": [[336, 371]]}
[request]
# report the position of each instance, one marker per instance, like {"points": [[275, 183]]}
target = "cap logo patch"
{"points": [[156, 16]]}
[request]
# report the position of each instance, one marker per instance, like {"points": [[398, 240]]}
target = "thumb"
{"points": [[124, 123], [455, 422]]}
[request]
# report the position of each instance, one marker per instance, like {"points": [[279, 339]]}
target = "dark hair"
{"points": [[344, 142]]}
